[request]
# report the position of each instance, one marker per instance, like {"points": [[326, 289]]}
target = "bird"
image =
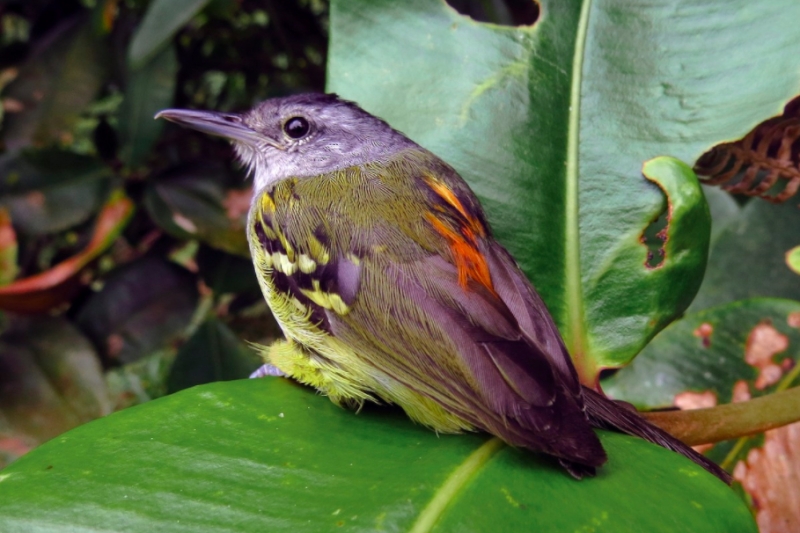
{"points": [[381, 269]]}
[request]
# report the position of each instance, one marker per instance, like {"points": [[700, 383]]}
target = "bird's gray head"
{"points": [[298, 136]]}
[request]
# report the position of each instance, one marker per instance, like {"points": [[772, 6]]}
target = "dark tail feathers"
{"points": [[607, 414]]}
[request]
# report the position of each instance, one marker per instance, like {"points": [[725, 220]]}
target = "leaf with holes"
{"points": [[269, 455], [551, 125]]}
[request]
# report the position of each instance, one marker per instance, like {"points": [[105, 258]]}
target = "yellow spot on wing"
{"points": [[306, 264], [282, 263], [326, 300], [317, 250]]}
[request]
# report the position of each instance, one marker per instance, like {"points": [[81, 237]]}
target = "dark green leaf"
{"points": [[213, 353], [748, 258], [162, 20], [226, 273], [142, 307], [149, 89], [724, 210], [55, 85], [268, 455], [51, 190]]}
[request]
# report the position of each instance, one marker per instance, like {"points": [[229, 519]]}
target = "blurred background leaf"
{"points": [[162, 20]]}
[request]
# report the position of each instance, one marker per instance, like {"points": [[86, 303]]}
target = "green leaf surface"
{"points": [[149, 89], [551, 125], [59, 80], [212, 353], [249, 456], [189, 203], [50, 381], [51, 190], [748, 258], [162, 20], [143, 306]]}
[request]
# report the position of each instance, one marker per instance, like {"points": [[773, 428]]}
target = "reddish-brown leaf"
{"points": [[42, 292]]}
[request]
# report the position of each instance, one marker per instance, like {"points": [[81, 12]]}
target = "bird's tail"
{"points": [[607, 414]]}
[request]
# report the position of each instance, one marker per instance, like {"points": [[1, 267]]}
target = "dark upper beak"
{"points": [[227, 125]]}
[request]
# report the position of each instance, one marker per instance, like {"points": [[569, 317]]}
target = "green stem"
{"points": [[732, 420], [575, 336]]}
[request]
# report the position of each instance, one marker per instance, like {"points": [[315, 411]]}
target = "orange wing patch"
{"points": [[469, 261]]}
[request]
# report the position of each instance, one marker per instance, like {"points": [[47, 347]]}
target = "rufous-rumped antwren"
{"points": [[379, 265]]}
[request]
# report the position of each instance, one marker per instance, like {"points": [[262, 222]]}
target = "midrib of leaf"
{"points": [[575, 334], [453, 485]]}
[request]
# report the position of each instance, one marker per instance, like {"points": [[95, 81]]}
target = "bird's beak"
{"points": [[227, 125]]}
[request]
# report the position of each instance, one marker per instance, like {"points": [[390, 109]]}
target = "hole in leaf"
{"points": [[765, 162], [654, 237], [504, 12]]}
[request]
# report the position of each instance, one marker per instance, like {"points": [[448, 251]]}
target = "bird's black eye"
{"points": [[296, 127]]}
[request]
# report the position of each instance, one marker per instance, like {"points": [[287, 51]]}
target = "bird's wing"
{"points": [[457, 319]]}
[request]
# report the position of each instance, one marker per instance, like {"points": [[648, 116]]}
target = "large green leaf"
{"points": [[268, 455], [551, 125]]}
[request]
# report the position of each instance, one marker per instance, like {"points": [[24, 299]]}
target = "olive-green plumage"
{"points": [[378, 263]]}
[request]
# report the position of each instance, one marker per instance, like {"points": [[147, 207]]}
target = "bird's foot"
{"points": [[267, 370]]}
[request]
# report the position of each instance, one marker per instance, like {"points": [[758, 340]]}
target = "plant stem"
{"points": [[732, 420]]}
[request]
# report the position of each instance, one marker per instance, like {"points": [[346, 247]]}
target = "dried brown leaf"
{"points": [[754, 164], [771, 475]]}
